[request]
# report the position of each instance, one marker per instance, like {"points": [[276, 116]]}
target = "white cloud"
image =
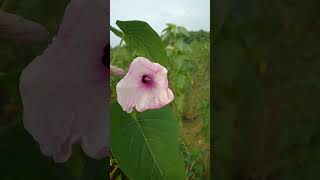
{"points": [[192, 14]]}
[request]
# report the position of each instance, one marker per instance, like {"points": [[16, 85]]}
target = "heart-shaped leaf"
{"points": [[140, 36], [146, 147]]}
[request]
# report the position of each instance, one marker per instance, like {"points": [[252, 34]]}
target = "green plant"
{"points": [[192, 97], [144, 145]]}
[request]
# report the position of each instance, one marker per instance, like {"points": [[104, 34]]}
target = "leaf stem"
{"points": [[134, 115], [115, 173], [117, 51]]}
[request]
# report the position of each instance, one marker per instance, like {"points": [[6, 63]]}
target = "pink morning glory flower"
{"points": [[145, 86], [65, 91]]}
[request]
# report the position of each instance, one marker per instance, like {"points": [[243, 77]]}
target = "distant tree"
{"points": [[199, 36]]}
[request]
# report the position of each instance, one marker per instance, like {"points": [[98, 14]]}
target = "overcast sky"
{"points": [[192, 14]]}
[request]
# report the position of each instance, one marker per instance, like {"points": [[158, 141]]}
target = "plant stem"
{"points": [[134, 114], [115, 173], [117, 51]]}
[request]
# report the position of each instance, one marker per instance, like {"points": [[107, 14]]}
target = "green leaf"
{"points": [[146, 147], [116, 31], [140, 36]]}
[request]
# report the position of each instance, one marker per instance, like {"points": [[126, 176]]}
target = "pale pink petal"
{"points": [[81, 19], [125, 95], [154, 100], [65, 91], [132, 92], [71, 18]]}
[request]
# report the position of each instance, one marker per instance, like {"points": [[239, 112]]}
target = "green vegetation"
{"points": [[266, 90], [189, 77]]}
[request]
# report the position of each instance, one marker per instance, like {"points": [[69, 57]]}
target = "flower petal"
{"points": [[83, 20], [65, 90], [154, 100]]}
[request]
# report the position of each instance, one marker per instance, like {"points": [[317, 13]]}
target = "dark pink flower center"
{"points": [[147, 81]]}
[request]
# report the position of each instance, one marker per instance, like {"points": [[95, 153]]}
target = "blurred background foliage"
{"points": [[266, 81], [189, 77], [20, 156]]}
